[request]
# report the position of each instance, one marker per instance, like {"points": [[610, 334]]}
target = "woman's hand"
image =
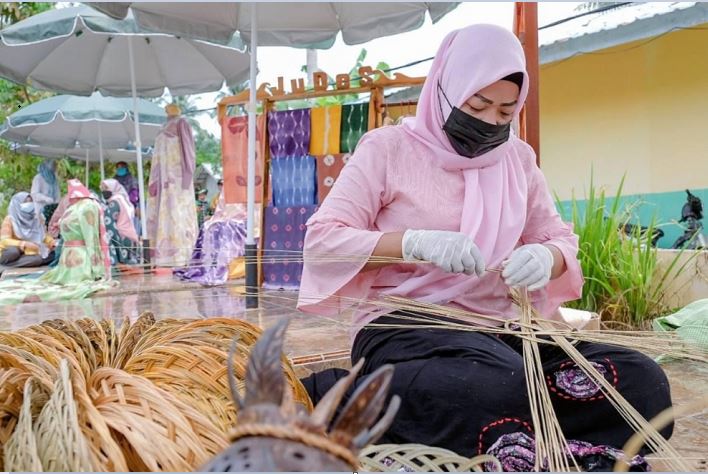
{"points": [[532, 266], [453, 252]]}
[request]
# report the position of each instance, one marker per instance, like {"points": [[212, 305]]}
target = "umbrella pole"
{"points": [[251, 247], [138, 154], [100, 151], [87, 168]]}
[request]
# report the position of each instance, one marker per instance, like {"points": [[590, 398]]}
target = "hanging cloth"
{"points": [[289, 132], [234, 150], [294, 181], [284, 240], [355, 123], [326, 129], [328, 169]]}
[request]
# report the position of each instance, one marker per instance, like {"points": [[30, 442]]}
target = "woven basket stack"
{"points": [[148, 396]]}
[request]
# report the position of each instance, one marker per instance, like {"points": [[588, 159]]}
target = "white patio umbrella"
{"points": [[78, 50], [95, 122], [109, 155], [85, 155], [297, 24]]}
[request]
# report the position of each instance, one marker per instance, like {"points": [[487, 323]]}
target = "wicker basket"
{"points": [[95, 334], [197, 375], [419, 458], [133, 334], [12, 383], [106, 453], [63, 345], [20, 451], [164, 434], [170, 409], [60, 443]]}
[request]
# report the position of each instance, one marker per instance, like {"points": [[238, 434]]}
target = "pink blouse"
{"points": [[391, 184]]}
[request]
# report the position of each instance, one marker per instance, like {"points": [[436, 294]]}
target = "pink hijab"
{"points": [[124, 222], [76, 191], [467, 61]]}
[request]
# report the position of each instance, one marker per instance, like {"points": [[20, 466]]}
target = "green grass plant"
{"points": [[623, 282]]}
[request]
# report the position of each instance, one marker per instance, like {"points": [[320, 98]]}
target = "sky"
{"points": [[395, 50]]}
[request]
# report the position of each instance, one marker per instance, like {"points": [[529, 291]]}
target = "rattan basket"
{"points": [[60, 443], [20, 450], [165, 434], [147, 396]]}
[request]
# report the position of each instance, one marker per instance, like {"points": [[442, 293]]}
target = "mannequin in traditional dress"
{"points": [[172, 215]]}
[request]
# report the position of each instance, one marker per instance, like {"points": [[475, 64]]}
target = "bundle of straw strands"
{"points": [[150, 396]]}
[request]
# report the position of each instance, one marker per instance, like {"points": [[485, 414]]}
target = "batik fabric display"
{"points": [[284, 241], [326, 130], [234, 151], [294, 181], [289, 132], [328, 169], [355, 123]]}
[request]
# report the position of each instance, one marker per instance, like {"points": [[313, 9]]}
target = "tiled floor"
{"points": [[313, 342]]}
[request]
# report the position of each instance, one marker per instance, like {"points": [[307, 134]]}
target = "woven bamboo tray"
{"points": [[420, 458]]}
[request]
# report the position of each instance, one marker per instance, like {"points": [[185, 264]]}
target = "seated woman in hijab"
{"points": [[448, 212], [23, 241], [119, 224], [84, 265], [218, 253]]}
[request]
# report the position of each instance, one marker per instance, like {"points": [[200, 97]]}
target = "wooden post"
{"points": [[526, 29]]}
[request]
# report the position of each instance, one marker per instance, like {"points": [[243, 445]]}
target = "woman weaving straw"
{"points": [[453, 192]]}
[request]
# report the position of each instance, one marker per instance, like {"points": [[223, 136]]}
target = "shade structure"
{"points": [[78, 50], [297, 24], [67, 121]]}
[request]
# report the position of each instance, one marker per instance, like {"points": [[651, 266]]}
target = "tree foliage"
{"points": [[341, 98], [17, 170]]}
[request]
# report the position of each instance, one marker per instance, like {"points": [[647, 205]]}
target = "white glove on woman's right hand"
{"points": [[453, 252]]}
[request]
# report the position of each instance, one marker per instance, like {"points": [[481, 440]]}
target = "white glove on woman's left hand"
{"points": [[529, 266]]}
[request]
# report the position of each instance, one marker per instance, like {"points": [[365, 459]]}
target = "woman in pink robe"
{"points": [[455, 188]]}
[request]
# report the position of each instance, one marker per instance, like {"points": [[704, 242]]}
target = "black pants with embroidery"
{"points": [[463, 390]]}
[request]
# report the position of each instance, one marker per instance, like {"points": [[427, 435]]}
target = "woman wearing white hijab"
{"points": [[23, 241]]}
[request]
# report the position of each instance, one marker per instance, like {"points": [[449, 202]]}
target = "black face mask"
{"points": [[470, 136], [106, 194]]}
